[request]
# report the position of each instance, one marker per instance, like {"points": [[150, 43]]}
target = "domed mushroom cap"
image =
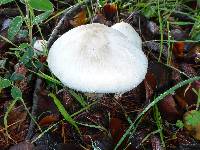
{"points": [[96, 58], [40, 45], [129, 32]]}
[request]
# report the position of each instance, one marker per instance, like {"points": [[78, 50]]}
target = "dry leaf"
{"points": [[79, 19], [110, 11]]}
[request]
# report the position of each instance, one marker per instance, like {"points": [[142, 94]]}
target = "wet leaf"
{"points": [[48, 120], [4, 83], [168, 108], [16, 92], [15, 26], [192, 118], [16, 77], [27, 56], [40, 18], [179, 124], [178, 49], [44, 5], [150, 11], [5, 1], [117, 128], [22, 34]]}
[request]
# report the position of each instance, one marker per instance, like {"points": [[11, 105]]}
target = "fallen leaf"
{"points": [[117, 129], [178, 49], [168, 109], [110, 11], [79, 19], [47, 120]]}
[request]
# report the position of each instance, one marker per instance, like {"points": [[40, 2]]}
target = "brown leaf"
{"points": [[79, 19], [47, 120], [187, 94], [178, 49], [168, 108], [117, 128], [150, 85], [110, 11]]}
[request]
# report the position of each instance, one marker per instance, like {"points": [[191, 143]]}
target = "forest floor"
{"points": [[38, 112]]}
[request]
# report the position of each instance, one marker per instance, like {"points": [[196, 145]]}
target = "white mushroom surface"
{"points": [[129, 32], [40, 45], [96, 58]]}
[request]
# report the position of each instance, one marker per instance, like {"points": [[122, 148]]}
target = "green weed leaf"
{"points": [[193, 118], [79, 98], [16, 92], [16, 77], [27, 56], [40, 18], [4, 83], [5, 1], [15, 26], [179, 124], [43, 5]]}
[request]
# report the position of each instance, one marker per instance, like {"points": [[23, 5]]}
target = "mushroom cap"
{"points": [[96, 58], [129, 32], [40, 45]]}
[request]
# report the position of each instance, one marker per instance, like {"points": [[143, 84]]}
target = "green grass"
{"points": [[132, 128], [160, 10]]}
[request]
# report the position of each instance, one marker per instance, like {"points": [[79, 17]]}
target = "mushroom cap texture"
{"points": [[39, 45], [96, 58], [129, 32]]}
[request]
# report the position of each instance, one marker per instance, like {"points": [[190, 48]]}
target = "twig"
{"points": [[34, 108]]}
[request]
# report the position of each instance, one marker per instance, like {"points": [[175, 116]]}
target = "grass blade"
{"points": [[64, 113], [134, 125]]}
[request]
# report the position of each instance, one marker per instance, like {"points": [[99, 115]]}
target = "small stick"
{"points": [[34, 108]]}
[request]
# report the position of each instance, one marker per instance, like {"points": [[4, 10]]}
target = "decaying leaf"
{"points": [[110, 11], [192, 123], [168, 108], [178, 49], [47, 120], [79, 19]]}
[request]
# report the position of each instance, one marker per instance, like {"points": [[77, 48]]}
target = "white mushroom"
{"points": [[96, 58], [40, 46], [129, 32]]}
